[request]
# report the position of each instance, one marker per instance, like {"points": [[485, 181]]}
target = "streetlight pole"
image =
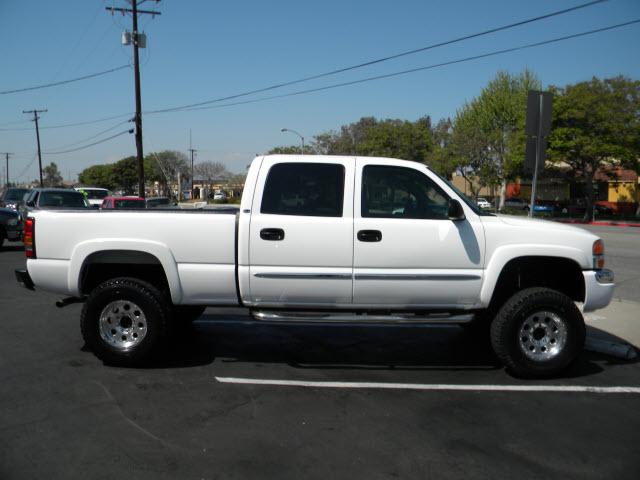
{"points": [[296, 133]]}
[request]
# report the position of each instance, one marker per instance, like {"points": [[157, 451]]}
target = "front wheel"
{"points": [[125, 321], [538, 333]]}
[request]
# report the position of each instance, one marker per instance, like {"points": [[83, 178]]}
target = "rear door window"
{"points": [[307, 189]]}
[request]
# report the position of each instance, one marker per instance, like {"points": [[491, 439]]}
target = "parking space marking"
{"points": [[426, 386]]}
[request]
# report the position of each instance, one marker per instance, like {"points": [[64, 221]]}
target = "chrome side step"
{"points": [[342, 317]]}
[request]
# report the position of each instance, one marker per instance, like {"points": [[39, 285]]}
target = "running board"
{"points": [[328, 317]]}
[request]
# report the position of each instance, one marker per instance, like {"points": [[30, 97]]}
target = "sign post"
{"points": [[538, 126]]}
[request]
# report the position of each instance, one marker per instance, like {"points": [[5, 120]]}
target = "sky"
{"points": [[199, 50]]}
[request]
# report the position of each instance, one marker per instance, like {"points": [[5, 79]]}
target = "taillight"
{"points": [[598, 254], [29, 239]]}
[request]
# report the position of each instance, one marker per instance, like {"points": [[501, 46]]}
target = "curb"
{"points": [[600, 223]]}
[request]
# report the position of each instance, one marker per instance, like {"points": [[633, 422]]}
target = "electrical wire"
{"points": [[63, 82], [325, 74], [91, 137], [417, 69], [26, 169], [76, 124], [384, 59], [91, 144]]}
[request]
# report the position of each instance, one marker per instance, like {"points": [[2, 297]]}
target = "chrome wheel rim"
{"points": [[122, 324], [542, 336]]}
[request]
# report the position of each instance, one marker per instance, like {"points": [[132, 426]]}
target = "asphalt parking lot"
{"points": [[439, 406]]}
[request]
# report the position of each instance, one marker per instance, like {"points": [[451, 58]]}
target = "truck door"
{"points": [[407, 252], [301, 233]]}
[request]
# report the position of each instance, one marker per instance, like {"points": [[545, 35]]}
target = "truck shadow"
{"points": [[343, 346]]}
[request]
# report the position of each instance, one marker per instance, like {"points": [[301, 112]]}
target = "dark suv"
{"points": [[10, 225], [13, 197], [53, 199]]}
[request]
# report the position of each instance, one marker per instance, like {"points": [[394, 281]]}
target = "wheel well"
{"points": [[101, 266], [557, 273]]}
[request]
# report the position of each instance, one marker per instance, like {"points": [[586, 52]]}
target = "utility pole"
{"points": [[192, 150], [6, 154], [35, 119], [137, 40]]}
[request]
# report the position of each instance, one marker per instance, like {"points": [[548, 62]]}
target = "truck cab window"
{"points": [[307, 189], [398, 192]]}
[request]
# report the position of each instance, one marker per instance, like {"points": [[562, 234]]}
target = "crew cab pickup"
{"points": [[325, 239]]}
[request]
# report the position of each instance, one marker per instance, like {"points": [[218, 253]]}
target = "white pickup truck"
{"points": [[325, 239]]}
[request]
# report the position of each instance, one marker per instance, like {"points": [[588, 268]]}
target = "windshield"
{"points": [[62, 200], [15, 193], [133, 203], [470, 203]]}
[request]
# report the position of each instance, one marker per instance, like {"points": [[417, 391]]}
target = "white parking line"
{"points": [[427, 386]]}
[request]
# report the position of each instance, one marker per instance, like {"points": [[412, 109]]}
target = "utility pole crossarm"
{"points": [[130, 10]]}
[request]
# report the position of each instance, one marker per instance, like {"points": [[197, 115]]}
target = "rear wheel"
{"points": [[125, 321], [538, 333], [1, 237]]}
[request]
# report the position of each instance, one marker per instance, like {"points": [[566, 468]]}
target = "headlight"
{"points": [[598, 254], [13, 222]]}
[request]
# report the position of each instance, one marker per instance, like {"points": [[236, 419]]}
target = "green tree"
{"points": [[383, 138], [164, 167], [98, 176], [125, 175], [441, 158], [596, 124], [489, 139], [52, 176]]}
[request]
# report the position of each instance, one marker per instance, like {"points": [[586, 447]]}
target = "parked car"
{"points": [[578, 208], [10, 225], [220, 196], [516, 203], [159, 202], [123, 203], [13, 198], [483, 203], [343, 253], [94, 195], [53, 199]]}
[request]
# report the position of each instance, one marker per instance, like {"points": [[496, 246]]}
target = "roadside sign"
{"points": [[537, 126]]}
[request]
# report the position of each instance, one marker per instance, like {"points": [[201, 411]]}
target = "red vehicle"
{"points": [[123, 203]]}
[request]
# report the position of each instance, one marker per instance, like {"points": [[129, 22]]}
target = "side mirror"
{"points": [[455, 210]]}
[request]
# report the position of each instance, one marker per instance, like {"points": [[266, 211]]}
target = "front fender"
{"points": [[159, 250], [504, 254]]}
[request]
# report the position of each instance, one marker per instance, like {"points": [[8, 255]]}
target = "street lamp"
{"points": [[293, 131]]}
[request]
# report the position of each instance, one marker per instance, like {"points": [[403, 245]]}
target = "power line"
{"points": [[25, 169], [418, 69], [63, 82], [332, 72], [76, 124], [91, 144], [384, 59], [91, 137]]}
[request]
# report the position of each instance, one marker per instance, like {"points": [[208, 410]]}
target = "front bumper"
{"points": [[23, 278], [598, 289]]}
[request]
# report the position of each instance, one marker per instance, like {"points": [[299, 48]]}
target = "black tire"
{"points": [[522, 318], [152, 306], [187, 313], [1, 237]]}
